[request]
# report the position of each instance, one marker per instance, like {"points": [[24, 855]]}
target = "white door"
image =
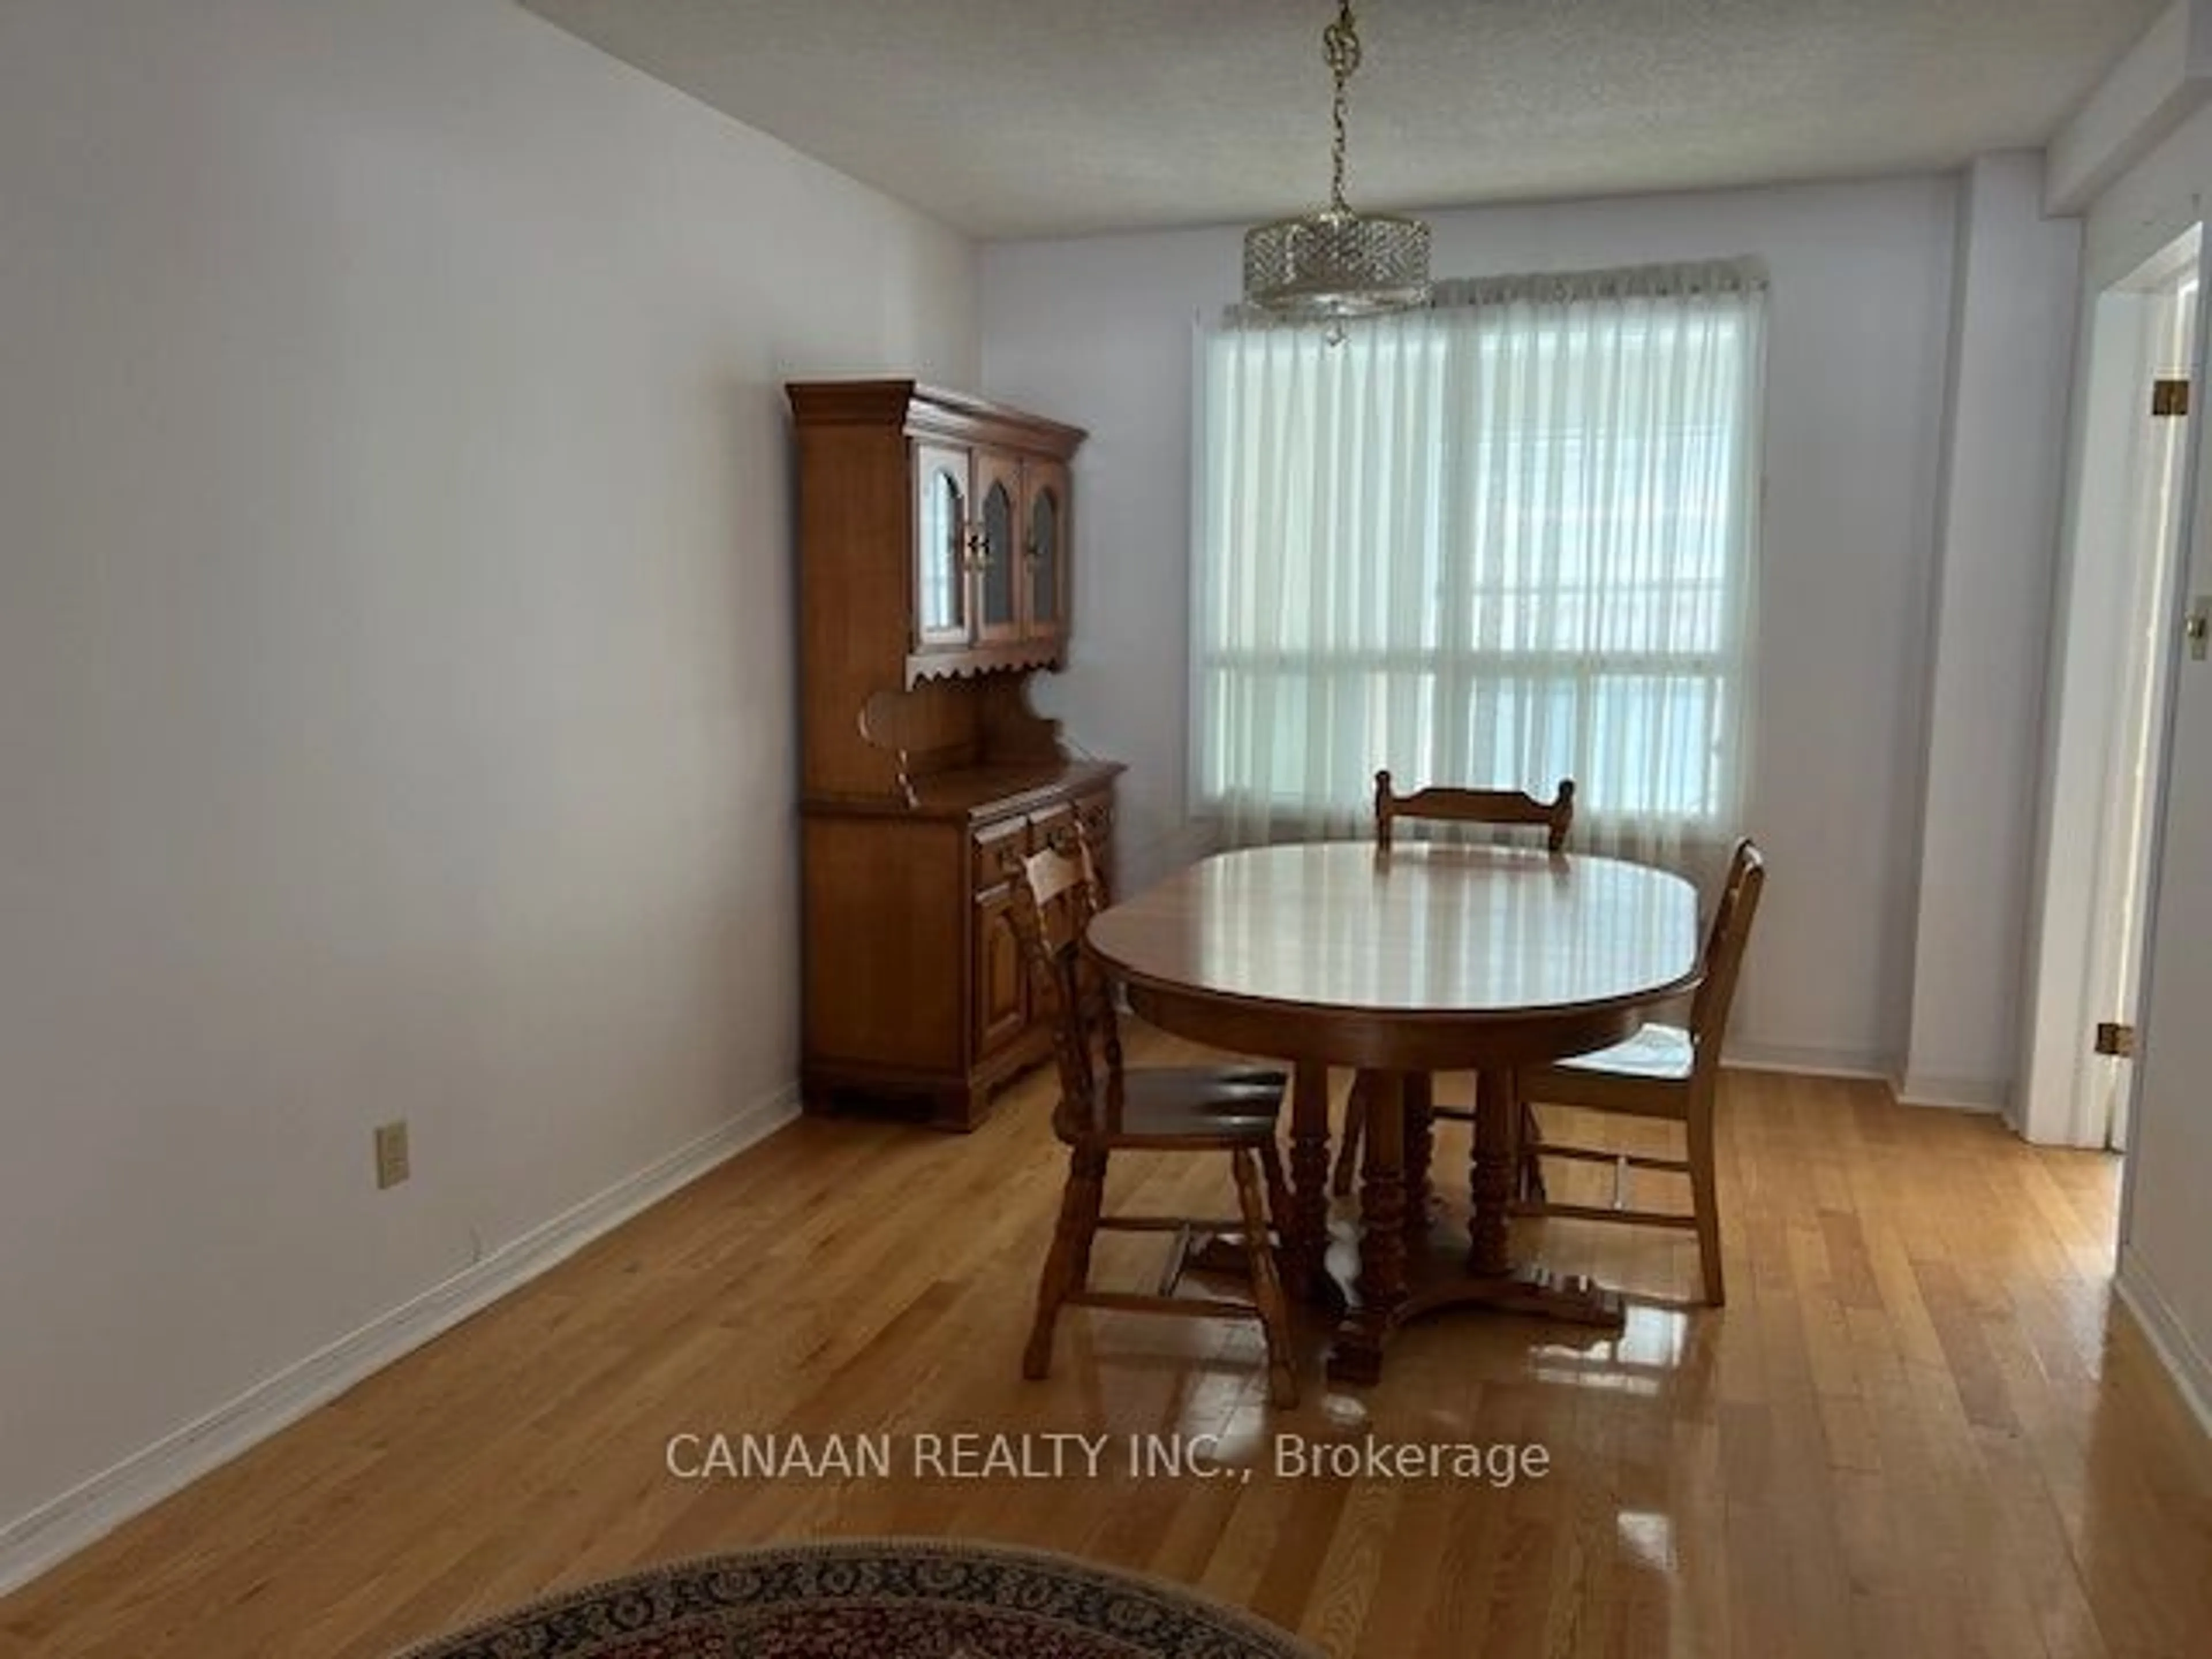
{"points": [[2128, 488], [2122, 875], [2166, 1221]]}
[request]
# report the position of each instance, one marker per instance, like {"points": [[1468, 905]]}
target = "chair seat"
{"points": [[1662, 1053], [1191, 1105]]}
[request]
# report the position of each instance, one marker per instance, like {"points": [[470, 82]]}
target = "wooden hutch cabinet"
{"points": [[934, 575]]}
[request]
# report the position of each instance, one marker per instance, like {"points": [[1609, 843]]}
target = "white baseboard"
{"points": [[35, 1542], [2184, 1362], [1944, 1093], [1805, 1062], [1956, 1094]]}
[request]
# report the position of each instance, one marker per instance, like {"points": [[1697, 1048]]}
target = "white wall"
{"points": [[2016, 295], [1099, 331], [396, 709]]}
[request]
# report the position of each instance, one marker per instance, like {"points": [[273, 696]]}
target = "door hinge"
{"points": [[2116, 1038], [2168, 398]]}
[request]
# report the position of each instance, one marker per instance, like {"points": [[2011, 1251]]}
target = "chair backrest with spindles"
{"points": [[1056, 894], [1725, 939], [1497, 806]]}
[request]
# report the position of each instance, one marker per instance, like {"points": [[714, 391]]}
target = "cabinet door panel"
{"points": [[1002, 1002], [941, 574]]}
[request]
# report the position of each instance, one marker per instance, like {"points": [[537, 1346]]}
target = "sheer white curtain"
{"points": [[1504, 540]]}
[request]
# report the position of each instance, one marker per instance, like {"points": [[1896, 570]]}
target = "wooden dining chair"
{"points": [[1663, 1072], [1105, 1109], [1437, 805], [1504, 808]]}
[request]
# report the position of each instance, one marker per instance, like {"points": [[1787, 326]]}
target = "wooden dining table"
{"points": [[1400, 964]]}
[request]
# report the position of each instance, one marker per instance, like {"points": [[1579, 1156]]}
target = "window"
{"points": [[1502, 541]]}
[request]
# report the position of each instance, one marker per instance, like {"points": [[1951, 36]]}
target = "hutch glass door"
{"points": [[1045, 562], [998, 547], [941, 564]]}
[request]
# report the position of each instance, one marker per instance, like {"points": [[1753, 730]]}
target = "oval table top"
{"points": [[1429, 955]]}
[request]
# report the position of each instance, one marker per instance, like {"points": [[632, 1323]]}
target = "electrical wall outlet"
{"points": [[391, 1153]]}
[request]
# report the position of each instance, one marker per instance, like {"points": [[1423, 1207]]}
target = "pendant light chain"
{"points": [[1340, 49], [1336, 263]]}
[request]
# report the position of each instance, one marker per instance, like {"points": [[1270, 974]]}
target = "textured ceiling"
{"points": [[1024, 118]]}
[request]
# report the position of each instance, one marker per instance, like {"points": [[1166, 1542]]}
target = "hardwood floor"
{"points": [[1918, 1429]]}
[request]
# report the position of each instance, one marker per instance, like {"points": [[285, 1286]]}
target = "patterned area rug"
{"points": [[874, 1599]]}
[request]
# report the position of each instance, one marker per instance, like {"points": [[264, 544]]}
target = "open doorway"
{"points": [[2130, 486]]}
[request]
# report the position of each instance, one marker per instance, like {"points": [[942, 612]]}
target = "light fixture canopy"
{"points": [[1336, 263]]}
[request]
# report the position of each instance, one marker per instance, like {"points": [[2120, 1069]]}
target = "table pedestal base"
{"points": [[1439, 1279], [1406, 1258]]}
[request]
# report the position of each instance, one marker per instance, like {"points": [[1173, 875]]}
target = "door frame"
{"points": [[2092, 630]]}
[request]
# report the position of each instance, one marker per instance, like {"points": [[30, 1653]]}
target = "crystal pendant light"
{"points": [[1336, 263]]}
